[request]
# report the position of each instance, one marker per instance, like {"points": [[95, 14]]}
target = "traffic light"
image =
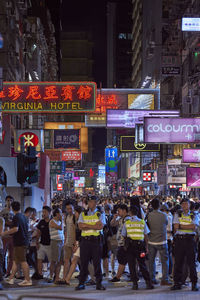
{"points": [[27, 166], [31, 165]]}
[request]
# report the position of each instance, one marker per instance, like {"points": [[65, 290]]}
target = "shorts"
{"points": [[57, 249], [19, 254], [43, 251], [68, 251], [112, 245], [77, 253], [122, 256]]}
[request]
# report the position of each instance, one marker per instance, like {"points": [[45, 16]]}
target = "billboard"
{"points": [[111, 156], [134, 170], [79, 182], [176, 172], [66, 138], [71, 155], [127, 144], [128, 118], [171, 130], [51, 126], [93, 120], [191, 155], [190, 24], [193, 177], [40, 97], [141, 101]]}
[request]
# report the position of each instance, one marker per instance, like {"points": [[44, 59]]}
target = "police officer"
{"points": [[185, 224], [135, 231], [91, 222]]}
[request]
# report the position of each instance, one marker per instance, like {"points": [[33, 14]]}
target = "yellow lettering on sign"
{"points": [[12, 105], [19, 106], [53, 106], [60, 106]]}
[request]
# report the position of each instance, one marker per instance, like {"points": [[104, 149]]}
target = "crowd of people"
{"points": [[91, 233]]}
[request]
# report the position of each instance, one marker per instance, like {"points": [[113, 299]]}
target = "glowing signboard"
{"points": [[171, 130], [111, 156], [73, 97], [193, 177], [191, 155], [127, 144], [128, 118], [190, 24]]}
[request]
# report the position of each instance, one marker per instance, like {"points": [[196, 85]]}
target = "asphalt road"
{"points": [[42, 290]]}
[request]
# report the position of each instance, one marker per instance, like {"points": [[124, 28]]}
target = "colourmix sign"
{"points": [[171, 130]]}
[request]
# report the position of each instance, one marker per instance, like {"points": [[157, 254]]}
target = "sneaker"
{"points": [[115, 279], [9, 281], [25, 283]]}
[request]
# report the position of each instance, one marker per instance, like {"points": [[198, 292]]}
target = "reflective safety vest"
{"points": [[135, 229], [185, 220], [91, 220]]}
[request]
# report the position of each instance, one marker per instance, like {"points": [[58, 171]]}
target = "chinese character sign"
{"points": [[111, 156], [71, 97], [68, 138]]}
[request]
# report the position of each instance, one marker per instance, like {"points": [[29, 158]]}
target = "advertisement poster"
{"points": [[193, 177], [111, 157], [68, 138]]}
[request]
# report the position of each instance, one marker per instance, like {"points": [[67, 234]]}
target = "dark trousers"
{"points": [[90, 250], [169, 243], [32, 257], [184, 248], [134, 250]]}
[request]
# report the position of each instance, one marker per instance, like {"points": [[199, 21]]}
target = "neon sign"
{"points": [[73, 97]]}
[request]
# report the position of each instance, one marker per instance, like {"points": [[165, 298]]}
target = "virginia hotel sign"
{"points": [[73, 97]]}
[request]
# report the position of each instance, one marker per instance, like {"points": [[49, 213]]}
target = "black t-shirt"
{"points": [[43, 226], [20, 238]]}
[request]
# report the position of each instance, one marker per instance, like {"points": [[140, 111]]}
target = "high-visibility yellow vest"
{"points": [[185, 220], [135, 229], [91, 220]]}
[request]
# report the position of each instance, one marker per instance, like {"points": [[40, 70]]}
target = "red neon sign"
{"points": [[48, 97]]}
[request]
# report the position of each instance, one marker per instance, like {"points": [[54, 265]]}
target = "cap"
{"points": [[185, 200], [164, 206], [93, 198]]}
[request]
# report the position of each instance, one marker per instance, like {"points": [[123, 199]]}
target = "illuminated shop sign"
{"points": [[190, 24], [73, 97], [193, 177], [128, 118], [171, 130], [127, 144], [191, 155]]}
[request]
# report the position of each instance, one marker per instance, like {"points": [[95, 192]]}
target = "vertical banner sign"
{"points": [[162, 174], [68, 138], [111, 156]]}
